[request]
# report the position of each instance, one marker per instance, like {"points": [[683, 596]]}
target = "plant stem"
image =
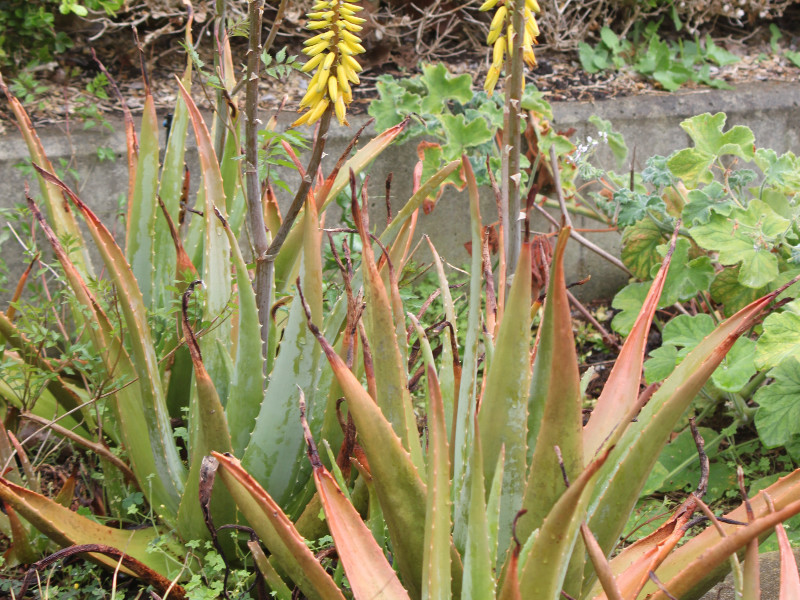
{"points": [[255, 212], [265, 261], [513, 141]]}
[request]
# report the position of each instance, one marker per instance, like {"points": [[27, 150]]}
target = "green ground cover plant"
{"points": [[248, 422]]}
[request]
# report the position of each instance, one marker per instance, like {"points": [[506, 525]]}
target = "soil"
{"points": [[559, 74]]}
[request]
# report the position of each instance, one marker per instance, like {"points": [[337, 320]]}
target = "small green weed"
{"points": [[670, 64]]}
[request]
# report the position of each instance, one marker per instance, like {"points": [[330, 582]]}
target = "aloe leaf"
{"points": [[425, 190], [275, 453], [68, 528], [621, 390], [275, 530], [170, 190], [216, 255], [782, 492], [627, 469], [20, 539], [393, 396], [360, 161], [633, 565], [436, 565], [555, 401], [790, 579], [479, 583], [230, 168], [504, 405], [465, 409], [546, 566], [398, 484], [142, 208], [64, 223], [209, 432], [449, 357], [247, 385], [368, 572], [717, 554], [143, 419]]}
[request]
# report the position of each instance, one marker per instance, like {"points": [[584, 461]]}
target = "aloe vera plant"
{"points": [[519, 498], [504, 493], [209, 371]]}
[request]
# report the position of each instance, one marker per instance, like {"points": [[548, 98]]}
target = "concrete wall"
{"points": [[650, 123]]}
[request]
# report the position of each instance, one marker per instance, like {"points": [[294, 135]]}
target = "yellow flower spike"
{"points": [[349, 37], [531, 24], [340, 109], [499, 18], [315, 113], [319, 38], [533, 6], [353, 19], [331, 53], [488, 5], [311, 64], [493, 35], [333, 88], [352, 64], [344, 85], [316, 48], [491, 79], [499, 51], [322, 81], [302, 120]]}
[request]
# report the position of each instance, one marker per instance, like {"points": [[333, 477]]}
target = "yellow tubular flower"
{"points": [[501, 36], [331, 52]]}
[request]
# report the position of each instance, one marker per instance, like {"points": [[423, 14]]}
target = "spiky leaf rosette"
{"points": [[501, 36], [332, 53]]}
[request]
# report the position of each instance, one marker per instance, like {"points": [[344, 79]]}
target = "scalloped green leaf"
{"points": [[442, 86], [686, 277], [693, 164], [779, 341], [778, 414], [747, 237], [703, 203], [728, 291], [628, 302], [461, 134], [639, 247]]}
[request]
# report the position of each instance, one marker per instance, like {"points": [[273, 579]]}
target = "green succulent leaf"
{"points": [[779, 341], [693, 165], [779, 410]]}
